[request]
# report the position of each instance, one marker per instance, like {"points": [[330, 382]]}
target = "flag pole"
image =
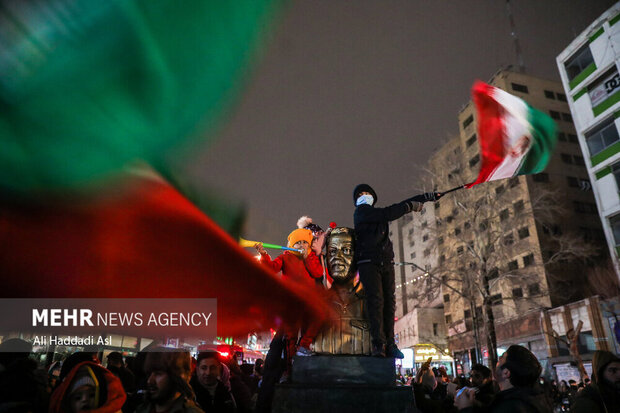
{"points": [[454, 189]]}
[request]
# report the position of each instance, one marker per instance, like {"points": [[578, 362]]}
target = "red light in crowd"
{"points": [[395, 318], [224, 353]]}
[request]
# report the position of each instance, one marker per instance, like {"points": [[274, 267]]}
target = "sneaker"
{"points": [[393, 351], [304, 352], [285, 378], [378, 351]]}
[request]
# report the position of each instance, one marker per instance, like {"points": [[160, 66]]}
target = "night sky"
{"points": [[364, 91]]}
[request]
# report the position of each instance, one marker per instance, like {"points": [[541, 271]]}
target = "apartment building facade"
{"points": [[589, 71]]}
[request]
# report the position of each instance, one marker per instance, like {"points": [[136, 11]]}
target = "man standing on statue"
{"points": [[375, 261]]}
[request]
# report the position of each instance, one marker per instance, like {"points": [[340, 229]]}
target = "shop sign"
{"points": [[607, 87], [422, 353]]}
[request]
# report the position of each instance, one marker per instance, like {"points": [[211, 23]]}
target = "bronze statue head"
{"points": [[340, 255]]}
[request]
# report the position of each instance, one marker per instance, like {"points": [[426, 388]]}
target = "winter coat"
{"points": [[597, 399], [223, 401], [112, 394], [372, 241], [598, 396], [295, 268], [180, 405], [514, 400], [425, 403], [520, 400], [485, 394]]}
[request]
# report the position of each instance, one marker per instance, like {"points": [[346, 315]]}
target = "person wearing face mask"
{"points": [[375, 261]]}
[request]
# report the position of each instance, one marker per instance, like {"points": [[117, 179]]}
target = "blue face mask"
{"points": [[365, 199]]}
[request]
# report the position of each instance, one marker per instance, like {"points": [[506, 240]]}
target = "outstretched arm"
{"points": [[366, 213]]}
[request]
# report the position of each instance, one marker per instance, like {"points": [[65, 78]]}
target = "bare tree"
{"points": [[488, 240], [602, 281]]}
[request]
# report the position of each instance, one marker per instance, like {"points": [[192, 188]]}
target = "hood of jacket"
{"points": [[112, 400], [364, 188]]}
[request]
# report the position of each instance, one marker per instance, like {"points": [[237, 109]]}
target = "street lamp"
{"points": [[413, 264]]}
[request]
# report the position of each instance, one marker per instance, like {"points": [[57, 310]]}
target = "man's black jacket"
{"points": [[222, 402], [372, 241], [515, 400]]}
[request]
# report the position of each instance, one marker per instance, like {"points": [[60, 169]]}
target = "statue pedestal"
{"points": [[343, 384]]}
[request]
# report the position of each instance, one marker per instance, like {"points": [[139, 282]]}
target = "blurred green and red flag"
{"points": [[88, 89], [145, 241]]}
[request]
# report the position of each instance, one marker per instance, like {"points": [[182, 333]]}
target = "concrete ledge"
{"points": [[343, 370]]}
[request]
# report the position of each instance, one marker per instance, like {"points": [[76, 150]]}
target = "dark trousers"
{"points": [[272, 371], [379, 288]]}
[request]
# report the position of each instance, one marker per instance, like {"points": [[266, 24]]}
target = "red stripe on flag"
{"points": [[490, 130], [150, 242]]}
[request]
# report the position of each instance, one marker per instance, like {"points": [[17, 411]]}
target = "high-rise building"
{"points": [[419, 310], [501, 249], [414, 256], [589, 71]]}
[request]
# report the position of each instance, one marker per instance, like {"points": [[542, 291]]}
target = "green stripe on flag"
{"points": [[603, 172], [614, 20], [596, 35], [122, 81], [229, 215], [543, 130], [581, 76], [605, 154]]}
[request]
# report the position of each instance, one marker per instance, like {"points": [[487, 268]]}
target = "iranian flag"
{"points": [[515, 139]]}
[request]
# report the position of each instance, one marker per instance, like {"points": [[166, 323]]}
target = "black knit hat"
{"points": [[363, 188]]}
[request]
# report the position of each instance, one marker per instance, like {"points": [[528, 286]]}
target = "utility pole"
{"points": [[515, 38]]}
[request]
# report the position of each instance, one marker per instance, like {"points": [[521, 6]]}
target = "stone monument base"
{"points": [[342, 384]]}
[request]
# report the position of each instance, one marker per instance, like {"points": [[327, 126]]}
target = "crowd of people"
{"points": [[516, 385], [162, 380], [155, 381]]}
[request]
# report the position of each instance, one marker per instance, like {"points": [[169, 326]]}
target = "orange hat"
{"points": [[300, 234]]}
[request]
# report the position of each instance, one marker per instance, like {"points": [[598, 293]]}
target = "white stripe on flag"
{"points": [[516, 127]]}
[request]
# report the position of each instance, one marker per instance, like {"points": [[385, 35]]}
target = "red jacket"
{"points": [[294, 267], [114, 398]]}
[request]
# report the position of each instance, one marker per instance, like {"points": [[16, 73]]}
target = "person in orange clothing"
{"points": [[302, 267]]}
